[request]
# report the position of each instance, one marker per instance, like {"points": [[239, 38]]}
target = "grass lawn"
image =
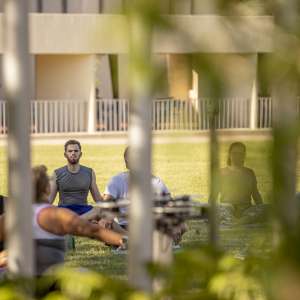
{"points": [[184, 169]]}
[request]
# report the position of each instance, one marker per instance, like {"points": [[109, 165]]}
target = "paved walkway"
{"points": [[116, 138]]}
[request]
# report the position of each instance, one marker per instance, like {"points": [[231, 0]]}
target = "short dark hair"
{"points": [[235, 144], [72, 142]]}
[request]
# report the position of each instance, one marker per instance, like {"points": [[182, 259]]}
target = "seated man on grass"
{"points": [[118, 188], [73, 182]]}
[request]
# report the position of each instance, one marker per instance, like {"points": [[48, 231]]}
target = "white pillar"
{"points": [[18, 210], [194, 92], [141, 223], [92, 99], [254, 98]]}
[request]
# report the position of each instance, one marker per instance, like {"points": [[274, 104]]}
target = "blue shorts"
{"points": [[79, 209]]}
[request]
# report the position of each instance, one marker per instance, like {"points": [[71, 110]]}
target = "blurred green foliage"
{"points": [[195, 274]]}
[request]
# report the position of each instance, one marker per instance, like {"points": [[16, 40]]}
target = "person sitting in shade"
{"points": [[52, 223], [238, 192]]}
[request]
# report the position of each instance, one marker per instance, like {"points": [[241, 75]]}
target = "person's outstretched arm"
{"points": [[94, 189], [62, 221]]}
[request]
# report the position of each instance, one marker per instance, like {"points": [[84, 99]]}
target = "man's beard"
{"points": [[73, 161]]}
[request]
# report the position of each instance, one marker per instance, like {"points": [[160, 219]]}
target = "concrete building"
{"points": [[79, 50]]}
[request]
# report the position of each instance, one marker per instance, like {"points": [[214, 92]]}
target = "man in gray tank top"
{"points": [[74, 181]]}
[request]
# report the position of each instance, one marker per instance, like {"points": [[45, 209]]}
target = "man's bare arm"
{"points": [[62, 221], [53, 188], [94, 189]]}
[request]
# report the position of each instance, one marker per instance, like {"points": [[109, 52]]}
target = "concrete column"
{"points": [[181, 7], [52, 6], [254, 98], [103, 77], [179, 75], [18, 209], [194, 92], [92, 97], [123, 78], [111, 6], [83, 6]]}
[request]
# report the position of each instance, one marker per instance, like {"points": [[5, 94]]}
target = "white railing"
{"points": [[112, 115], [264, 112], [232, 113], [54, 116], [58, 116], [172, 114], [194, 115]]}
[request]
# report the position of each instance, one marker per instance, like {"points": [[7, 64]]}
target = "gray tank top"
{"points": [[73, 187]]}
